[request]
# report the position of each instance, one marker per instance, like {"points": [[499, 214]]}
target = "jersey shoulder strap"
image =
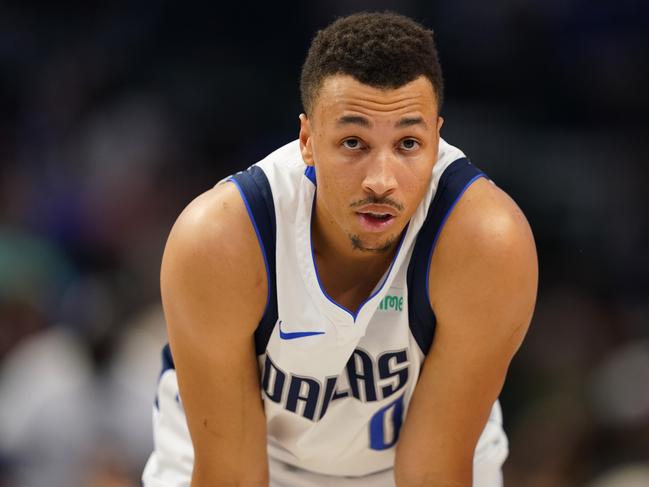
{"points": [[455, 180], [257, 195]]}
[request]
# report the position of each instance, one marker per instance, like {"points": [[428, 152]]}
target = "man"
{"points": [[345, 310]]}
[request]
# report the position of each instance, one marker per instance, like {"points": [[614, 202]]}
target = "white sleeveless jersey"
{"points": [[336, 384]]}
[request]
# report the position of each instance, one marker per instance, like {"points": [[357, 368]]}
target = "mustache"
{"points": [[373, 200]]}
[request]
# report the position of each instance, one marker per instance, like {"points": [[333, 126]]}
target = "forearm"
{"points": [[230, 447], [410, 474], [251, 476]]}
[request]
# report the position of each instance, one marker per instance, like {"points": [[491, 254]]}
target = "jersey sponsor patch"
{"points": [[391, 302]]}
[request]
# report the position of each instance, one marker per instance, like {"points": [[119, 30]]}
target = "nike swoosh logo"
{"points": [[296, 334]]}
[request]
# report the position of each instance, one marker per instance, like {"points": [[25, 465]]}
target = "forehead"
{"points": [[342, 93]]}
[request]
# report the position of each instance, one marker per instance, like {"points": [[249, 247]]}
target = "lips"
{"points": [[377, 210], [376, 219]]}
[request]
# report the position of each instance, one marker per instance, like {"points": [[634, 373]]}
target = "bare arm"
{"points": [[483, 283], [213, 283]]}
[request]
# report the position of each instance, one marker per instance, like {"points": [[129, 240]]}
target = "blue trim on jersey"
{"points": [[167, 360], [259, 239], [309, 172], [167, 364], [354, 315], [455, 180], [441, 225], [257, 195]]}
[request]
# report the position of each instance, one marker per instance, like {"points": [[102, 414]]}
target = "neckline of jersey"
{"points": [[377, 288]]}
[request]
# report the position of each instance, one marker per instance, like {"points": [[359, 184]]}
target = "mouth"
{"points": [[375, 221]]}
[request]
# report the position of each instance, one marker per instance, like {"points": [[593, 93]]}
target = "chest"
{"points": [[312, 360]]}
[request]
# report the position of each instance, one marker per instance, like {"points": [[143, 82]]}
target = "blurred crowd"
{"points": [[113, 117]]}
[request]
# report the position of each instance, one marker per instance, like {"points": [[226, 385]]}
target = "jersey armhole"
{"points": [[453, 183], [257, 196], [260, 240]]}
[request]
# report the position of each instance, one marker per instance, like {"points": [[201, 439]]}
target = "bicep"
{"points": [[213, 297]]}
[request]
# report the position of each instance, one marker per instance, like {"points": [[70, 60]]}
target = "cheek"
{"points": [[415, 187], [336, 190], [327, 187], [335, 193]]}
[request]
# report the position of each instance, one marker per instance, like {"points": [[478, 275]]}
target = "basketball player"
{"points": [[344, 312]]}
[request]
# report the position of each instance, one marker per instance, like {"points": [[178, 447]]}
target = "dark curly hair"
{"points": [[383, 50]]}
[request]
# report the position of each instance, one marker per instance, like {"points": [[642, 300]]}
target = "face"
{"points": [[373, 152]]}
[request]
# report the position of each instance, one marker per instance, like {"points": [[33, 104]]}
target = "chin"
{"points": [[381, 247]]}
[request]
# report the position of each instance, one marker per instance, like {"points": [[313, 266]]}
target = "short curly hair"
{"points": [[382, 50]]}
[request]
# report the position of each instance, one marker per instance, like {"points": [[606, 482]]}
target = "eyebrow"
{"points": [[365, 123], [410, 121], [353, 120]]}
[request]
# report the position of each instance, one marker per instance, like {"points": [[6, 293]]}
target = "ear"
{"points": [[440, 122], [306, 147]]}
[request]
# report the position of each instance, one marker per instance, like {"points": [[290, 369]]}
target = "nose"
{"points": [[380, 177]]}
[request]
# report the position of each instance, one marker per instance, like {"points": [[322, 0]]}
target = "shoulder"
{"points": [[212, 254], [484, 266], [214, 228], [487, 220]]}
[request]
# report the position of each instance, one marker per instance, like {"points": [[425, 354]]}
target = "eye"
{"points": [[352, 144], [409, 144]]}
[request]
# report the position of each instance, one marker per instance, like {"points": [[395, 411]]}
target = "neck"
{"points": [[347, 274]]}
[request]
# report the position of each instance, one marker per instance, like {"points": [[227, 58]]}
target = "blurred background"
{"points": [[114, 116]]}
